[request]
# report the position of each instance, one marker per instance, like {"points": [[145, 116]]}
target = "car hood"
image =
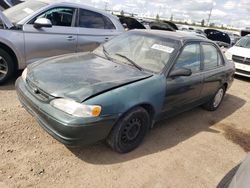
{"points": [[6, 20], [240, 51], [81, 76]]}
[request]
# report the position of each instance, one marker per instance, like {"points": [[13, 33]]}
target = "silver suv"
{"points": [[38, 29]]}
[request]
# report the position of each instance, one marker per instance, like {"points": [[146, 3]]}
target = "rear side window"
{"points": [[94, 20], [190, 58], [212, 58]]}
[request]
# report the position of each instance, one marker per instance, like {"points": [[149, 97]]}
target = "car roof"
{"points": [[183, 37], [75, 4]]}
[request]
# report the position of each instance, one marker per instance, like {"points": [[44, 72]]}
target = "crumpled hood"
{"points": [[80, 76]]}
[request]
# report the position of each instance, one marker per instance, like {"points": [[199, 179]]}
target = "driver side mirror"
{"points": [[180, 72], [42, 22]]}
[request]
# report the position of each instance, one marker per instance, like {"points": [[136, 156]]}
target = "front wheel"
{"points": [[7, 67], [129, 131], [214, 103]]}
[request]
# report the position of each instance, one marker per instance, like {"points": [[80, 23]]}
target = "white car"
{"points": [[240, 55]]}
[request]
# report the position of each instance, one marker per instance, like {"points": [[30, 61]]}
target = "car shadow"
{"points": [[242, 78], [165, 134], [10, 85]]}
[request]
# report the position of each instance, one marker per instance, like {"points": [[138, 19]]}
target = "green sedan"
{"points": [[117, 92]]}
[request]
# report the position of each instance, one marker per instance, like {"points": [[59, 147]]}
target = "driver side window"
{"points": [[190, 58], [59, 16]]}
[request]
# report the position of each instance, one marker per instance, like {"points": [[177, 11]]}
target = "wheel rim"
{"points": [[218, 97], [131, 131], [3, 68]]}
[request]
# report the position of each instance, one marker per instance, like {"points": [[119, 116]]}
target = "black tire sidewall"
{"points": [[114, 139], [210, 104], [10, 64]]}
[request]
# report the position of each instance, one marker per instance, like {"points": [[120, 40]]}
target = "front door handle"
{"points": [[70, 38], [106, 39]]}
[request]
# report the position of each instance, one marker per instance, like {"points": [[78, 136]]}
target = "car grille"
{"points": [[239, 59], [243, 72], [37, 92]]}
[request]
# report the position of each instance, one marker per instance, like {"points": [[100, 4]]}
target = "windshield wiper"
{"points": [[130, 61], [106, 53]]}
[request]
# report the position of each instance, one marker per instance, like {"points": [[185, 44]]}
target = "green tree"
{"points": [[157, 17], [122, 13], [172, 17], [211, 24], [203, 23]]}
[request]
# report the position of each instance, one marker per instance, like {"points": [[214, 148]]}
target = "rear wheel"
{"points": [[7, 67], [214, 103], [129, 131]]}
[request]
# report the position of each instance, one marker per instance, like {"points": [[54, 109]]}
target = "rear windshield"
{"points": [[244, 42], [21, 11]]}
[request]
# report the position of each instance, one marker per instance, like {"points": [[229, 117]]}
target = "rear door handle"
{"points": [[106, 39], [70, 38]]}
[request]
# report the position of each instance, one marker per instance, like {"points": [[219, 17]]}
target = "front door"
{"points": [[183, 92], [61, 38]]}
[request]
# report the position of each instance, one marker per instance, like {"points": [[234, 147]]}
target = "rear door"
{"points": [[61, 38], [184, 92], [93, 29], [213, 68]]}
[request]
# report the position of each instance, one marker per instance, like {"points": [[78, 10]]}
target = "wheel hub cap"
{"points": [[131, 130], [218, 97]]}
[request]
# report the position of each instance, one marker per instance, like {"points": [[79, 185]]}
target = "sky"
{"points": [[228, 12]]}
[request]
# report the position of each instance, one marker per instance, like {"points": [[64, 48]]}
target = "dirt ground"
{"points": [[194, 149]]}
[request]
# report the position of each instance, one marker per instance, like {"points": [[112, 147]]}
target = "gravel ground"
{"points": [[194, 149]]}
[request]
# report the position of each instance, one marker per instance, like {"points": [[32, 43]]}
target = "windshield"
{"points": [[143, 51], [244, 42], [21, 11]]}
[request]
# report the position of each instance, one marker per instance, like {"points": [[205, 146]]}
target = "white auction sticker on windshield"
{"points": [[28, 10], [163, 48]]}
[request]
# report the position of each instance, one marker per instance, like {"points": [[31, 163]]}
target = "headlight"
{"points": [[76, 109], [24, 74], [229, 56]]}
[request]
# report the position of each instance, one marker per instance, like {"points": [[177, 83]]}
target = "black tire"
{"points": [[225, 182], [7, 66], [129, 131], [212, 105]]}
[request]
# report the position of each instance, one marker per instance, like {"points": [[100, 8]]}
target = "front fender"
{"points": [[149, 91], [14, 39]]}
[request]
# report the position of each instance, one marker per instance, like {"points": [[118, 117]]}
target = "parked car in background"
{"points": [[35, 29], [118, 91], [171, 24], [221, 38], [238, 177], [192, 32], [245, 32], [130, 23], [160, 25], [240, 55], [233, 37]]}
